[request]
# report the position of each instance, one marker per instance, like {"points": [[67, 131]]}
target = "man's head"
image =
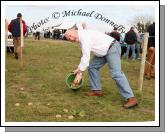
{"points": [[71, 35], [19, 15]]}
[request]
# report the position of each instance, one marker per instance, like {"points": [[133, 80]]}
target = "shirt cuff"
{"points": [[82, 68]]}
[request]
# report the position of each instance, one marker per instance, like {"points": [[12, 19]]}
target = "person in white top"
{"points": [[79, 26], [106, 50]]}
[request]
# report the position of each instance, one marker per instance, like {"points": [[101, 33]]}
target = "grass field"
{"points": [[37, 92]]}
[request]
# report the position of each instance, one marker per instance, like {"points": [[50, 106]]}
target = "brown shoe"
{"points": [[16, 55], [131, 102], [147, 76], [94, 93], [152, 75]]}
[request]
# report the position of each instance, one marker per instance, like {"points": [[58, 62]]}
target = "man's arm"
{"points": [[86, 50], [84, 62]]}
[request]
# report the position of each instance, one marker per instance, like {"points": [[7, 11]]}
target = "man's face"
{"points": [[70, 37]]}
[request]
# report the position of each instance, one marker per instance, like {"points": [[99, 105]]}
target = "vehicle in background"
{"points": [[9, 43]]}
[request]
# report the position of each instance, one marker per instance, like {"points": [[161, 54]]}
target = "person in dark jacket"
{"points": [[14, 28], [37, 35], [149, 69], [56, 33], [130, 39]]}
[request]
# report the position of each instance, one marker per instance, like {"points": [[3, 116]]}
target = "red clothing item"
{"points": [[24, 27]]}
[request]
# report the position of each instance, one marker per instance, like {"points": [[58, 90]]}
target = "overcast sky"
{"points": [[120, 15]]}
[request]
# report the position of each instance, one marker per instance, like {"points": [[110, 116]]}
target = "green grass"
{"points": [[46, 64]]}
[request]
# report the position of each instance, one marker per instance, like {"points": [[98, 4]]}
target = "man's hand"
{"points": [[77, 79]]}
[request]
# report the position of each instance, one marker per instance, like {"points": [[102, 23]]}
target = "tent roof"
{"points": [[65, 25]]}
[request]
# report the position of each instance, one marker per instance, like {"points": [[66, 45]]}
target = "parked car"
{"points": [[9, 44]]}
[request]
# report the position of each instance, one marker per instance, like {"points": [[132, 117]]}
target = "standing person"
{"points": [[138, 43], [150, 52], [37, 34], [84, 26], [79, 26], [130, 39], [14, 28], [105, 50], [57, 33]]}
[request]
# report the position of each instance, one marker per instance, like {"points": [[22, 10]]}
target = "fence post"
{"points": [[143, 59], [22, 43], [6, 35]]}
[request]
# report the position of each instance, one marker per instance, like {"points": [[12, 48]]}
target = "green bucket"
{"points": [[69, 79]]}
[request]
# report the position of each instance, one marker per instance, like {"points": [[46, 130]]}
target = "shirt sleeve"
{"points": [[86, 50], [10, 27], [24, 27]]}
